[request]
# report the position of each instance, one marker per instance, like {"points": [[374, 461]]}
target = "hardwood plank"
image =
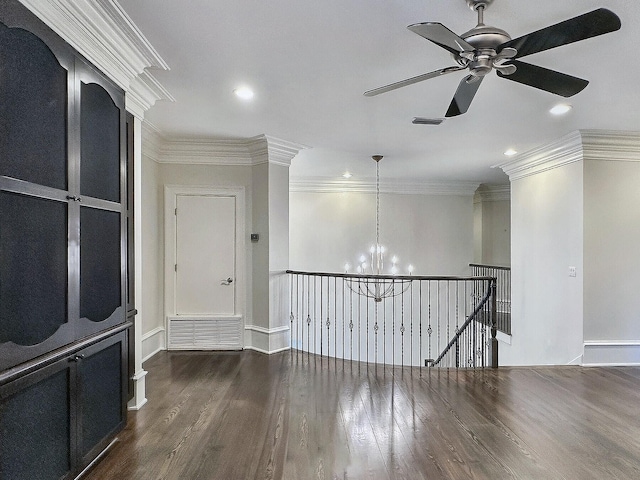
{"points": [[245, 415]]}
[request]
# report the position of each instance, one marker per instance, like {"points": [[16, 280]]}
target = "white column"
{"points": [[139, 398]]}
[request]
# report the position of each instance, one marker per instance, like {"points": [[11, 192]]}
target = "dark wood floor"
{"points": [[251, 416]]}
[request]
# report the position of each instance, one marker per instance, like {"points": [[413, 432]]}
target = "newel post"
{"points": [[494, 325]]}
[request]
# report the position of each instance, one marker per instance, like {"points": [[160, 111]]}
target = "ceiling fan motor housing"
{"points": [[484, 39], [485, 36]]}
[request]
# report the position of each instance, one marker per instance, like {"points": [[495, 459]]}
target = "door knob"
{"points": [[228, 281]]}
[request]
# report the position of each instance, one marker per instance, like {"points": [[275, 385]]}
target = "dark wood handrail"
{"points": [[495, 267], [385, 277], [472, 316]]}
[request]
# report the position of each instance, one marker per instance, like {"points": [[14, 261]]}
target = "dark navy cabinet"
{"points": [[65, 219]]}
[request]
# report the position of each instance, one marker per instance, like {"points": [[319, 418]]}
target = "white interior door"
{"points": [[205, 255]]}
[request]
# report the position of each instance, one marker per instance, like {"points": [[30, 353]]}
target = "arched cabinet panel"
{"points": [[100, 151], [33, 110]]}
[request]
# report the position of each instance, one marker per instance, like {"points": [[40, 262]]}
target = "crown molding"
{"points": [[105, 35], [280, 152], [492, 193], [252, 151], [331, 185], [611, 145], [144, 91], [560, 152], [598, 145]]}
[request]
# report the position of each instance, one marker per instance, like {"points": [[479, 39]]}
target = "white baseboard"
{"points": [[260, 339], [153, 342], [611, 353], [266, 340]]}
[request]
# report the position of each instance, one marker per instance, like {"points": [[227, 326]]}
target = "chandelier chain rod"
{"points": [[378, 205]]}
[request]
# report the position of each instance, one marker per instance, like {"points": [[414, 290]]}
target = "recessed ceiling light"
{"points": [[244, 93], [347, 175], [510, 152], [560, 109]]}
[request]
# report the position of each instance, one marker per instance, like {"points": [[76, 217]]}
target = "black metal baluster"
{"points": [[315, 311], [351, 324], [309, 315], [335, 317], [402, 326], [367, 327]]}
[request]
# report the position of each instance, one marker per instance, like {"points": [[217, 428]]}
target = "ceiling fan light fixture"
{"points": [[561, 109], [243, 92]]}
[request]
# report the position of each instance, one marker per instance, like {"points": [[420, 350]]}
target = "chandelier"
{"points": [[372, 282]]}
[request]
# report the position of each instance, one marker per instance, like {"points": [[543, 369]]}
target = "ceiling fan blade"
{"points": [[545, 79], [427, 121], [592, 24], [412, 80], [441, 36], [464, 95]]}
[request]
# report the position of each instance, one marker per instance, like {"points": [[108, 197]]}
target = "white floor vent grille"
{"points": [[205, 333]]}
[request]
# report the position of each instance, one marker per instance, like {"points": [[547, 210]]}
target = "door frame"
{"points": [[171, 193]]}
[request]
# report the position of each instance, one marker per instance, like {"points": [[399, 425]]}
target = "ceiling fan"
{"points": [[485, 48]]}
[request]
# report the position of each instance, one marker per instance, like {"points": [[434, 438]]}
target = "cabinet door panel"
{"points": [[33, 278], [35, 426], [100, 264], [101, 387], [33, 110], [100, 144]]}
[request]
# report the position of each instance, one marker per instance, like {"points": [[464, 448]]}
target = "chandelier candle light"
{"points": [[374, 283]]}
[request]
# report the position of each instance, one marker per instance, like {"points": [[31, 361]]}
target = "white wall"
{"points": [[260, 262], [496, 233], [155, 177], [152, 247], [492, 225], [575, 203], [247, 164], [612, 261], [432, 232], [279, 299], [546, 304]]}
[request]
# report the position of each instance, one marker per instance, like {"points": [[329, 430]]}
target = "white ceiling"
{"points": [[309, 61]]}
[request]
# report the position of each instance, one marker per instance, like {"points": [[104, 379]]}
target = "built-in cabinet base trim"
{"points": [[139, 381]]}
